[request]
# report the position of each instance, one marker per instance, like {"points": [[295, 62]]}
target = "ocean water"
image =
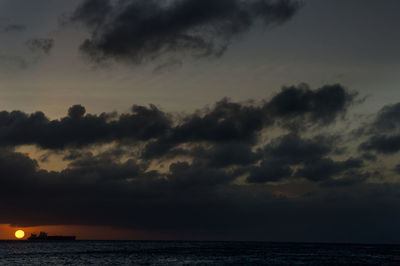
{"points": [[193, 253]]}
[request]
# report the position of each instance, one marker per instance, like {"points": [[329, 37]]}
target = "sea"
{"points": [[194, 253]]}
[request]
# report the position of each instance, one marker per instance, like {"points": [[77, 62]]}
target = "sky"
{"points": [[270, 120]]}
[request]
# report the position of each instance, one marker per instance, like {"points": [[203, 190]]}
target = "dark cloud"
{"points": [[78, 129], [142, 30], [397, 169], [227, 121], [103, 167], [95, 188], [226, 154], [388, 119], [283, 152], [188, 202], [269, 171], [369, 157], [93, 12], [226, 135], [325, 169], [308, 156], [383, 133], [40, 45], [382, 144], [229, 126], [76, 112], [292, 149], [351, 178], [321, 106], [196, 177]]}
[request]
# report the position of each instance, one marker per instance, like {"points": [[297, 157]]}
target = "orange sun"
{"points": [[19, 234]]}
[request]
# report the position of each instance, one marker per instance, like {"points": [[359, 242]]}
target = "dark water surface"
{"points": [[193, 253]]}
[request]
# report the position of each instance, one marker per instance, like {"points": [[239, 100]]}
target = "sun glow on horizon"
{"points": [[19, 234]]}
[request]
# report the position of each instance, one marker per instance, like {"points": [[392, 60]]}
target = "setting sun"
{"points": [[19, 234]]}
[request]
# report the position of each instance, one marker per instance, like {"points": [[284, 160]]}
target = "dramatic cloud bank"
{"points": [[226, 121], [233, 171], [142, 30], [78, 129]]}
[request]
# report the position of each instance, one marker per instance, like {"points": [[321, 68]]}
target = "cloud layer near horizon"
{"points": [[232, 171]]}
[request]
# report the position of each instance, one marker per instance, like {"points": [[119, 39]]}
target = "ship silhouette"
{"points": [[44, 237]]}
